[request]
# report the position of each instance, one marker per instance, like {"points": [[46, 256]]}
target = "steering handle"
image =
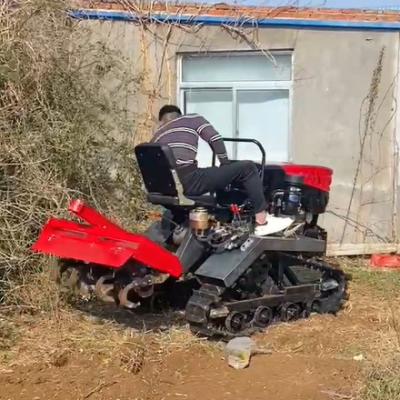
{"points": [[246, 140]]}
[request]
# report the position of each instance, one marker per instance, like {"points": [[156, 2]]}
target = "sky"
{"points": [[362, 4]]}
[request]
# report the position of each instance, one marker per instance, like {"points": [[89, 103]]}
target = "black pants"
{"points": [[204, 180]]}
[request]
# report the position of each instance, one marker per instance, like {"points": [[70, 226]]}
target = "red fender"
{"points": [[102, 242]]}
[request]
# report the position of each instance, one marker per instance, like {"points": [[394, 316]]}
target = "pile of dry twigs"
{"points": [[55, 141]]}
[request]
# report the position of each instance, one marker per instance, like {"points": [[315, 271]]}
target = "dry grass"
{"points": [[52, 338], [383, 380], [57, 136], [383, 282], [368, 327], [8, 334]]}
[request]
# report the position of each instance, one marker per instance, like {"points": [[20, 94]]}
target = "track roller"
{"points": [[290, 312], [263, 316], [235, 322]]}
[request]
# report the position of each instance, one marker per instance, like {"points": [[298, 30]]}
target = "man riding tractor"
{"points": [[181, 133]]}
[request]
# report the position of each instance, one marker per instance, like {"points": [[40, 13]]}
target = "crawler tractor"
{"points": [[203, 250]]}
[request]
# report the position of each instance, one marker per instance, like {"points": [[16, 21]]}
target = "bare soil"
{"points": [[75, 355], [184, 376]]}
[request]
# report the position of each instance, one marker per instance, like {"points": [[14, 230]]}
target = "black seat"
{"points": [[157, 165]]}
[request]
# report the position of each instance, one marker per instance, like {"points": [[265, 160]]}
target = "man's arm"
{"points": [[208, 133]]}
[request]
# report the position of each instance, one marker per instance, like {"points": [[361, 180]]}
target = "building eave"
{"points": [[281, 17]]}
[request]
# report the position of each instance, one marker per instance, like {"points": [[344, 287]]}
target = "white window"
{"points": [[244, 95]]}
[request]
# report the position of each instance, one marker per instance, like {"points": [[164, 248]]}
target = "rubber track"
{"points": [[332, 303]]}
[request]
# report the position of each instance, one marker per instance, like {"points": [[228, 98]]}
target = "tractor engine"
{"points": [[219, 235], [301, 192]]}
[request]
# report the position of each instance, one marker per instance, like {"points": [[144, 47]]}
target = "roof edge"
{"points": [[257, 13], [165, 18]]}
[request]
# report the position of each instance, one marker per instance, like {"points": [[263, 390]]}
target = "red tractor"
{"points": [[235, 282]]}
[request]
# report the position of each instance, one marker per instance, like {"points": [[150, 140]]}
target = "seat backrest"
{"points": [[157, 165]]}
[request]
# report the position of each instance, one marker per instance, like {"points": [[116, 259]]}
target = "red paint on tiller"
{"points": [[102, 242]]}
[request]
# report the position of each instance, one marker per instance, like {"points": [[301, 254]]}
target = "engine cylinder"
{"points": [[199, 219], [293, 200]]}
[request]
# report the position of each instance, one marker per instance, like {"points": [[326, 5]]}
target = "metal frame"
{"points": [[233, 86], [247, 140], [228, 266]]}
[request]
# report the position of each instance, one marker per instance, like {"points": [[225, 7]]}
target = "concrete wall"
{"points": [[333, 82]]}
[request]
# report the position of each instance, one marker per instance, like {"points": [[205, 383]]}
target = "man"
{"points": [[181, 133]]}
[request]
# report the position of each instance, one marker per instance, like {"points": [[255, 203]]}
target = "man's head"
{"points": [[168, 113]]}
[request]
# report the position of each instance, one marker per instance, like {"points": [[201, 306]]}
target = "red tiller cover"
{"points": [[102, 242]]}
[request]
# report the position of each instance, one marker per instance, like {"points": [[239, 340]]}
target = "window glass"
{"points": [[239, 95], [216, 106], [263, 115], [236, 68]]}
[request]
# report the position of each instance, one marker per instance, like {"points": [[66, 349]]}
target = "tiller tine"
{"points": [[123, 297], [84, 289], [73, 279], [105, 290]]}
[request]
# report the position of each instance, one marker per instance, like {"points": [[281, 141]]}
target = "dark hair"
{"points": [[168, 109]]}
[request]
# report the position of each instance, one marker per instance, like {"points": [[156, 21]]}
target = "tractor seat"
{"points": [[157, 165]]}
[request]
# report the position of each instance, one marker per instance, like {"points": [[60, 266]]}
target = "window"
{"points": [[243, 95]]}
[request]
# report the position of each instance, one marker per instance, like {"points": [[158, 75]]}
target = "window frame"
{"points": [[182, 87]]}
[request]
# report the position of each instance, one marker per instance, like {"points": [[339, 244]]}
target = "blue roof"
{"points": [[341, 4]]}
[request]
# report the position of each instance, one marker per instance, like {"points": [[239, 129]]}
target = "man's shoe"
{"points": [[273, 225]]}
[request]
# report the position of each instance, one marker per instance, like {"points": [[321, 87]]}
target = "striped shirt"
{"points": [[182, 136]]}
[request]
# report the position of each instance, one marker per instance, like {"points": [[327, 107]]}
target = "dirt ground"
{"points": [[184, 376], [88, 354]]}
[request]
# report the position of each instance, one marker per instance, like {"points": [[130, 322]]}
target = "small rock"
{"points": [[359, 357]]}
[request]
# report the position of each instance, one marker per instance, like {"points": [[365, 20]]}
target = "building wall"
{"points": [[333, 82]]}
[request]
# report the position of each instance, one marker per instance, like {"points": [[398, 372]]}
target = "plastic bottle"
{"points": [[238, 352]]}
